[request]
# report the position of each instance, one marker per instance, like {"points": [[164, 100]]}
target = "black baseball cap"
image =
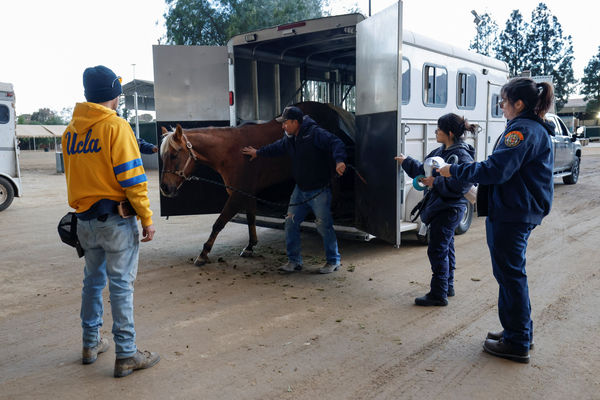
{"points": [[291, 112]]}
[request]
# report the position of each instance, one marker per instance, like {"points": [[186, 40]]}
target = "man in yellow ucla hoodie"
{"points": [[103, 167]]}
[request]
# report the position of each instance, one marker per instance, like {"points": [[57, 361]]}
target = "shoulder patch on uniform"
{"points": [[513, 138]]}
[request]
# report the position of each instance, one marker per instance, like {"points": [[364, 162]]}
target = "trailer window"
{"points": [[405, 81], [349, 99], [435, 85], [4, 114], [466, 90], [496, 111], [315, 91]]}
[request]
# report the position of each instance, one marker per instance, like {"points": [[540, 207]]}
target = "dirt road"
{"points": [[236, 329]]}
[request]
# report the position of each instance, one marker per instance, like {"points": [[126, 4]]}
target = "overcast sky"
{"points": [[46, 45]]}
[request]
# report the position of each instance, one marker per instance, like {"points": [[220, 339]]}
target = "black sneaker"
{"points": [[499, 335], [500, 348], [429, 300], [450, 291], [140, 360]]}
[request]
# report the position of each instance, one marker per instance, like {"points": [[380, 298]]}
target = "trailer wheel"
{"points": [[572, 179], [465, 223], [7, 193]]}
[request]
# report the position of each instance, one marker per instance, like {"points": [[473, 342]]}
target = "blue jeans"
{"points": [[441, 250], [508, 244], [111, 250], [321, 207]]}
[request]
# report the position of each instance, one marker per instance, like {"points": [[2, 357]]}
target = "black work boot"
{"points": [[451, 291], [500, 348], [140, 360], [499, 335], [90, 354], [430, 300]]}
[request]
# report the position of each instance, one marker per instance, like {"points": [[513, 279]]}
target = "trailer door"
{"points": [[191, 88], [378, 114]]}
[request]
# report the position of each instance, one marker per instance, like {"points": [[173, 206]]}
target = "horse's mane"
{"points": [[166, 141]]}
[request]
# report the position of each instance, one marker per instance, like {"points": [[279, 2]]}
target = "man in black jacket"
{"points": [[311, 149]]}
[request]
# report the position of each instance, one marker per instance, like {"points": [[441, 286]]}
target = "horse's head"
{"points": [[177, 161]]}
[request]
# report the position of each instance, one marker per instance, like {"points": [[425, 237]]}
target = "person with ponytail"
{"points": [[518, 182], [443, 205]]}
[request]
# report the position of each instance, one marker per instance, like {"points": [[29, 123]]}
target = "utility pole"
{"points": [[135, 105]]}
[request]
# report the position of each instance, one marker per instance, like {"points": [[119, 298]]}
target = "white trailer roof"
{"points": [[6, 87]]}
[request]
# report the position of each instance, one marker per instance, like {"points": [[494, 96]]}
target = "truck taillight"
{"points": [[230, 98]]}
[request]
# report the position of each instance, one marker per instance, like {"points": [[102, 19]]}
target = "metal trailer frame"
{"points": [[9, 145], [265, 71]]}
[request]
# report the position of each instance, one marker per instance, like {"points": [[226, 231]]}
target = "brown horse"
{"points": [[220, 149]]}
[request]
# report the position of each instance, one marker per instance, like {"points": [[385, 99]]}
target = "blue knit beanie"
{"points": [[101, 84]]}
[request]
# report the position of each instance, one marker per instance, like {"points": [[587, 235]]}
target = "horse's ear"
{"points": [[164, 130], [178, 131]]}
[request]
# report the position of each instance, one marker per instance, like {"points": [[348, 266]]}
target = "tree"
{"points": [[550, 52], [591, 84], [486, 36], [511, 46], [45, 116], [214, 22]]}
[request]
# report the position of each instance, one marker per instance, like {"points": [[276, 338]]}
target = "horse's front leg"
{"points": [[251, 219], [232, 207]]}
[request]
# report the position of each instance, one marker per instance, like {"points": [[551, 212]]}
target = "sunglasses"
{"points": [[118, 78]]}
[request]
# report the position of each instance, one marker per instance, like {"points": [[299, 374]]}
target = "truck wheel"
{"points": [[7, 193], [465, 223], [572, 179]]}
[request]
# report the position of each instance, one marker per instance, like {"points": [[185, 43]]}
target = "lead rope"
{"points": [[267, 202]]}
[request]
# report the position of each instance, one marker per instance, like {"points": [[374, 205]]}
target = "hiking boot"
{"points": [[329, 268], [290, 266], [500, 348], [499, 335], [430, 300], [140, 360], [90, 354], [450, 291]]}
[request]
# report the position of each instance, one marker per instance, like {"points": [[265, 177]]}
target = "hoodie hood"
{"points": [[86, 115], [462, 145], [548, 126]]}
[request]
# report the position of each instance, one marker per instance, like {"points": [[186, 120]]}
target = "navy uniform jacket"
{"points": [[446, 192], [311, 152], [145, 147], [519, 172]]}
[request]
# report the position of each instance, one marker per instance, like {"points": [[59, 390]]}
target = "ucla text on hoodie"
{"points": [[102, 161]]}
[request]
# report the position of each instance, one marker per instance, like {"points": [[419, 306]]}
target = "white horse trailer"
{"points": [[10, 173], [397, 83]]}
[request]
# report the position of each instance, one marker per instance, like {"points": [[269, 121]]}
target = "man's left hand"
{"points": [[340, 168]]}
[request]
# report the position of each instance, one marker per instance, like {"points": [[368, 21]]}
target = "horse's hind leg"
{"points": [[229, 210], [253, 239]]}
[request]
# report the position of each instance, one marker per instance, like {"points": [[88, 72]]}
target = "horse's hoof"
{"points": [[199, 261], [247, 253]]}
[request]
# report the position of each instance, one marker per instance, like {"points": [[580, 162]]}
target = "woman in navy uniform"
{"points": [[444, 205], [519, 184]]}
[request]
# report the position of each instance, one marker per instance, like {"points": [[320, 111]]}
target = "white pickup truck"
{"points": [[567, 151], [10, 173]]}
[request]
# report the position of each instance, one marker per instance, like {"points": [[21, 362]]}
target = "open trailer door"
{"points": [[378, 118], [191, 88]]}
